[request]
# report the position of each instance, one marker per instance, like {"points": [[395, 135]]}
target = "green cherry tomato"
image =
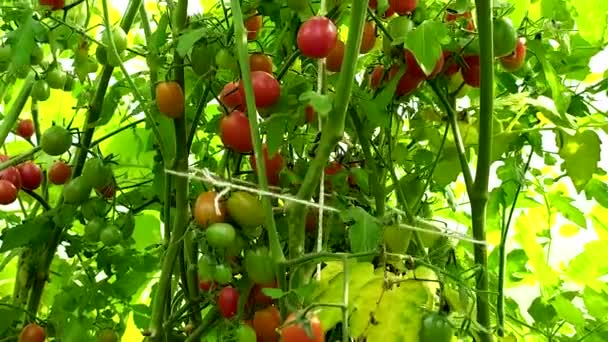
{"points": [[245, 209], [206, 267], [222, 274], [93, 208], [226, 60], [37, 55], [245, 333], [76, 191], [119, 36], [505, 37], [397, 239], [110, 235], [107, 335], [102, 55], [96, 173], [56, 141], [56, 78], [259, 265], [93, 229], [126, 224], [221, 235], [236, 248], [435, 328], [22, 71], [202, 58], [41, 91]]}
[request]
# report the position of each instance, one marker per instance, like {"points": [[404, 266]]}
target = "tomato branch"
{"points": [[20, 158], [12, 115]]}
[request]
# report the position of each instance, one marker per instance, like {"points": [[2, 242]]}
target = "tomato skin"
{"points": [[438, 67], [375, 78], [257, 297], [221, 235], [245, 209], [227, 301], [245, 333], [56, 78], [317, 37], [232, 98], [93, 229], [403, 7], [436, 327], [260, 62], [297, 332], [41, 91], [76, 191], [31, 175], [96, 173], [59, 173], [335, 57], [265, 324], [413, 68], [266, 89], [368, 40], [505, 37], [450, 66], [110, 235], [206, 285], [274, 165], [408, 83], [259, 265], [170, 99], [32, 333], [333, 168], [54, 4], [25, 128], [516, 60], [56, 140], [8, 192], [204, 209], [253, 25], [222, 274], [12, 175], [309, 114], [373, 4], [471, 71], [107, 335], [235, 132]]}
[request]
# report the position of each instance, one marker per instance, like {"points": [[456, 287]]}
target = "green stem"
{"points": [[479, 196], [20, 158], [429, 178], [200, 113], [12, 115], [145, 24], [118, 130], [212, 316]]}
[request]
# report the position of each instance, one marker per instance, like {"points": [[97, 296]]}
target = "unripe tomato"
{"points": [[25, 128], [170, 99], [227, 301], [110, 235], [505, 37], [119, 36], [222, 274], [221, 235], [259, 265], [31, 175], [245, 333], [96, 173], [266, 89], [59, 173], [41, 91], [235, 132], [436, 327], [202, 58], [54, 5], [274, 165], [368, 40], [265, 323], [93, 229], [335, 57], [108, 335], [12, 175], [403, 7], [299, 332], [37, 55], [76, 191], [471, 71], [260, 62], [317, 37], [8, 192], [516, 60], [226, 60], [56, 141], [245, 209], [32, 333], [232, 98], [253, 24], [376, 76], [204, 209]]}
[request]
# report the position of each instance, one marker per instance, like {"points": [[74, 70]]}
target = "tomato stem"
{"points": [[12, 115]]}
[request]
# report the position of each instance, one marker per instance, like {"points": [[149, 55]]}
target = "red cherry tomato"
{"points": [[317, 37], [31, 175], [335, 57], [373, 4], [407, 84], [274, 165], [107, 191], [60, 173], [265, 324], [12, 175], [236, 132], [516, 60], [309, 114], [266, 89], [206, 285], [32, 333], [299, 332], [375, 78], [4, 158], [413, 68], [403, 7], [25, 128], [437, 69], [231, 97], [253, 24], [54, 4], [450, 66], [333, 168], [368, 40], [8, 192], [470, 71], [260, 62], [227, 301], [257, 298]]}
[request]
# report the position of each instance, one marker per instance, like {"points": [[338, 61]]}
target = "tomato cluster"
{"points": [[27, 175]]}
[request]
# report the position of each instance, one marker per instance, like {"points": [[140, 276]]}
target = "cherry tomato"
{"points": [[222, 274], [260, 62], [41, 91], [206, 285], [231, 97], [516, 60], [274, 165], [32, 333], [450, 66], [505, 37], [8, 192], [236, 132], [227, 301], [25, 128], [93, 229], [31, 175], [54, 5], [403, 7], [56, 140], [470, 70], [265, 323], [266, 89], [257, 298], [373, 4], [76, 191], [220, 235], [317, 37], [96, 173], [119, 36], [437, 69], [202, 58], [56, 78], [108, 335], [259, 265], [245, 209], [204, 209], [107, 191], [333, 168], [12, 175], [245, 333], [59, 173], [376, 76], [309, 114], [110, 235], [335, 57], [298, 332], [369, 37], [413, 68], [170, 99], [253, 24], [436, 327]]}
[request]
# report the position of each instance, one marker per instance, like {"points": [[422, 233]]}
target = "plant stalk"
{"points": [[13, 114]]}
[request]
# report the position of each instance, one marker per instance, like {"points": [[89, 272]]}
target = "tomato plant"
{"points": [[205, 211], [8, 192], [227, 301], [25, 128], [266, 89], [265, 324], [259, 265], [307, 329], [236, 132], [335, 57], [31, 175], [56, 141], [220, 235], [516, 60], [260, 62], [245, 209], [436, 327], [170, 99], [317, 37], [274, 165], [32, 333]]}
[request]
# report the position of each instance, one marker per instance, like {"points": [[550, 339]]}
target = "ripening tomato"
{"points": [[516, 60], [298, 331], [309, 114], [260, 62], [206, 285], [54, 4], [253, 24], [3, 158], [59, 173], [245, 209], [227, 301], [25, 128], [335, 57], [451, 16], [265, 324], [12, 175], [8, 192], [205, 212], [108, 335], [403, 7], [31, 175], [376, 76], [274, 165], [451, 66], [368, 40], [470, 70], [373, 4], [231, 97], [505, 37], [266, 89], [32, 333], [170, 99], [235, 132], [107, 191], [317, 37]]}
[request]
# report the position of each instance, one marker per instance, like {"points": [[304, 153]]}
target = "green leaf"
{"points": [[34, 231], [321, 103], [560, 96], [364, 234], [276, 127], [597, 190], [425, 43], [588, 267], [375, 110], [147, 231], [542, 312], [568, 311], [8, 315], [581, 153], [596, 302], [564, 206], [589, 25], [186, 41]]}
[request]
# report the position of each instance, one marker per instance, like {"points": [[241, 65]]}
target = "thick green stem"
{"points": [[479, 196], [20, 158], [13, 114], [332, 132]]}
